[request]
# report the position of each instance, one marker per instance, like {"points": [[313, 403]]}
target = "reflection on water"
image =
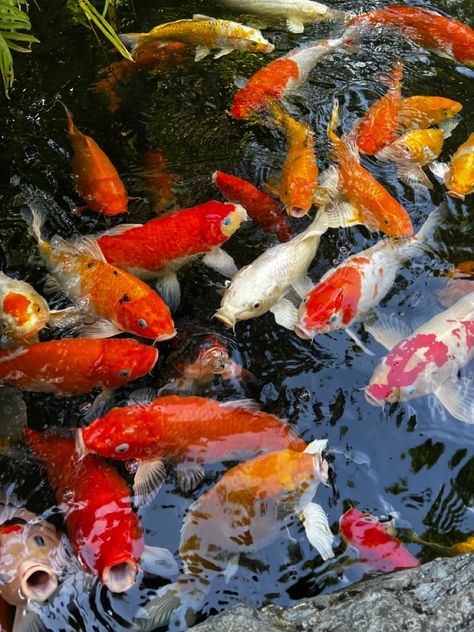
{"points": [[412, 460]]}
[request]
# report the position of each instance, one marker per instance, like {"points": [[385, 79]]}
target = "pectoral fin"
{"points": [[303, 286], [26, 620], [358, 341], [294, 26], [101, 328], [68, 317], [388, 330], [458, 398], [158, 561], [285, 313], [201, 52], [439, 169], [232, 567], [149, 478], [414, 177], [317, 529], [220, 261], [189, 476], [222, 52], [169, 289]]}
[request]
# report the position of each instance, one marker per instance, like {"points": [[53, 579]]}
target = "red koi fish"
{"points": [[97, 180], [188, 431], [75, 365], [379, 125], [431, 30], [280, 77], [425, 361], [376, 546], [161, 246], [159, 180], [261, 208], [104, 531]]}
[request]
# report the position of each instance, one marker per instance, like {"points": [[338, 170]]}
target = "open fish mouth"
{"points": [[120, 577], [38, 582], [228, 320], [373, 401], [301, 331]]}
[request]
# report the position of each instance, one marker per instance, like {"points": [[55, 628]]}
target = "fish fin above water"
{"points": [[358, 341], [248, 404], [439, 169], [457, 396], [285, 313], [317, 529], [222, 52], [294, 26], [120, 230], [149, 477], [89, 246], [142, 396], [316, 447], [178, 603], [26, 620], [414, 177], [167, 286], [101, 328], [303, 286], [158, 561], [201, 52], [388, 330], [341, 214], [68, 317], [447, 126], [199, 17], [189, 476], [220, 261], [232, 567], [130, 40]]}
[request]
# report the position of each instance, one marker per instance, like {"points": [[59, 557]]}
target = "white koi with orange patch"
{"points": [[23, 312]]}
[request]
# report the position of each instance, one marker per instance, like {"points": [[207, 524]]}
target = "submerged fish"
{"points": [[96, 179], [348, 293], [246, 510], [260, 207], [446, 36], [159, 180], [299, 175], [280, 78], [262, 286], [379, 125], [104, 531], [459, 175], [160, 247], [426, 361], [187, 431], [367, 201], [425, 111], [73, 366], [205, 33], [115, 300], [376, 545], [295, 12]]}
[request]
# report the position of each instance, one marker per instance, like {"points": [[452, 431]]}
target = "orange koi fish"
{"points": [[188, 431], [75, 365], [299, 176], [379, 125], [422, 112], [376, 546], [459, 175], [445, 36], [261, 208], [104, 531], [159, 180], [114, 299], [97, 180], [248, 509], [369, 202]]}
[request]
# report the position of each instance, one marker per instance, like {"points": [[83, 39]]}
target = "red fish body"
{"points": [[261, 208], [105, 532], [75, 365], [97, 180], [382, 551], [449, 37]]}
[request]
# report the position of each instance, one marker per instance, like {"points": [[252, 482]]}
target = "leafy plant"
{"points": [[99, 20]]}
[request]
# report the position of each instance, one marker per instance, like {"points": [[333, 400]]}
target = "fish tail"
{"points": [[433, 220], [131, 40], [395, 77], [71, 128], [334, 122], [35, 220]]}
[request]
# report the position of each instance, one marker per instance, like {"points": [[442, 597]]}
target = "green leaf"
{"points": [[94, 16], [6, 65], [23, 37]]}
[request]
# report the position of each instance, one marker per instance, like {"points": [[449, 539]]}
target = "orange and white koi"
{"points": [[205, 33], [459, 175], [425, 111], [369, 203], [23, 312], [248, 509]]}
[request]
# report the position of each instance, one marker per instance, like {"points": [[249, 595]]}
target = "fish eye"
{"points": [[38, 308], [305, 300], [227, 283], [124, 372], [226, 221], [333, 318], [123, 447], [141, 322], [385, 221], [256, 305], [38, 540]]}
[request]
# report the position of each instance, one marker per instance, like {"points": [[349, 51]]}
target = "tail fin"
{"points": [[334, 122], [394, 78], [177, 603], [35, 220], [130, 40], [448, 126], [433, 220], [71, 128]]}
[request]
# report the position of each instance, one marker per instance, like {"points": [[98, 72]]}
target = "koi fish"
{"points": [[458, 177], [368, 202], [159, 179], [280, 78], [445, 36], [7, 615], [427, 360], [73, 366], [374, 542], [422, 112], [188, 431], [379, 125], [114, 299], [260, 207], [205, 33], [104, 531], [296, 13], [158, 248], [263, 285], [349, 292], [97, 180], [299, 175], [248, 509]]}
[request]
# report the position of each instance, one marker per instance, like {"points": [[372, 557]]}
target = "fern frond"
{"points": [[96, 18], [13, 20]]}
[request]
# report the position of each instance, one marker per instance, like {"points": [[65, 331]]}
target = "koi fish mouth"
{"points": [[303, 333], [373, 401], [38, 582], [163, 337], [226, 318], [458, 196], [120, 577]]}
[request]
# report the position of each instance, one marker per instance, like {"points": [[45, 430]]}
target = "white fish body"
{"points": [[23, 320]]}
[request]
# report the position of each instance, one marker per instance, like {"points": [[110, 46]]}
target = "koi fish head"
{"points": [[394, 221], [298, 196], [147, 316], [232, 221], [246, 297], [24, 314], [331, 305], [127, 361], [363, 529], [248, 39]]}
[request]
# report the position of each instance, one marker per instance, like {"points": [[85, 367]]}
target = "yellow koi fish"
{"points": [[459, 175]]}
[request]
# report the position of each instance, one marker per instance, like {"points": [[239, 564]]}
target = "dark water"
{"points": [[411, 460]]}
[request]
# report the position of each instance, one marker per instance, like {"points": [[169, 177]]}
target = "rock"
{"points": [[436, 596]]}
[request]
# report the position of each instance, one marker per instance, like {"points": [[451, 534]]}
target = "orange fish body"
{"points": [[425, 111], [449, 37], [97, 180], [75, 365], [379, 125], [104, 531], [382, 551], [159, 179], [261, 208], [460, 178]]}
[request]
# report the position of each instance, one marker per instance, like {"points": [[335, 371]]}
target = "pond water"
{"points": [[412, 461]]}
